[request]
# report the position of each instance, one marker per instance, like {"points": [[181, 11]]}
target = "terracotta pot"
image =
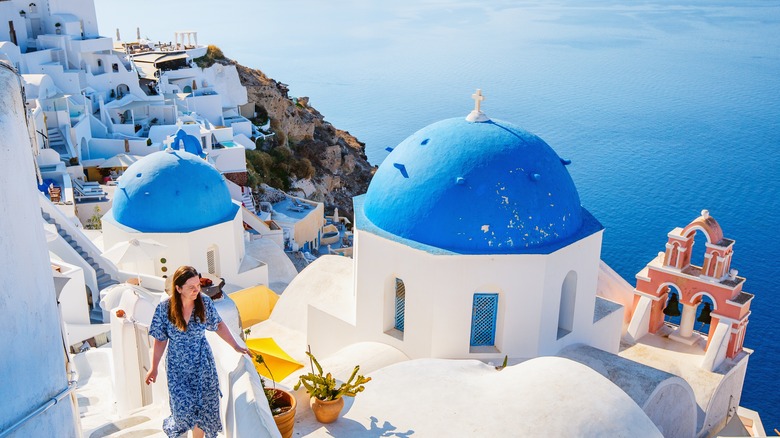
{"points": [[286, 420], [326, 411]]}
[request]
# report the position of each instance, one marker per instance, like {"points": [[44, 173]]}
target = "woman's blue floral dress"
{"points": [[192, 375]]}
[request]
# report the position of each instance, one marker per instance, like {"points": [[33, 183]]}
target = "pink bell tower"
{"points": [[715, 279]]}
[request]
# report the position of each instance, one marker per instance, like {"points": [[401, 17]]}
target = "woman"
{"points": [[192, 375]]}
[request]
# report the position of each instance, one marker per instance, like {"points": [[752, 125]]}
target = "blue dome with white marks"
{"points": [[475, 187], [172, 192]]}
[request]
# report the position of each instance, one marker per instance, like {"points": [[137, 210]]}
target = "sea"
{"points": [[665, 108]]}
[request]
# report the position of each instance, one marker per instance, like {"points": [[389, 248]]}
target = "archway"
{"points": [[84, 146], [705, 304], [672, 317], [122, 90], [566, 305], [698, 248]]}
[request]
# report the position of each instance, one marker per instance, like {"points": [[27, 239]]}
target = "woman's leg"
{"points": [[197, 433]]}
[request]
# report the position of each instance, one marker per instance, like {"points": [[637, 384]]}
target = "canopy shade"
{"points": [[279, 363], [119, 160]]}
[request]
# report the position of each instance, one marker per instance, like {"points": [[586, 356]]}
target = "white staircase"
{"points": [[248, 199], [57, 142]]}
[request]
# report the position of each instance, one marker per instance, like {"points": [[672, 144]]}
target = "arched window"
{"points": [[33, 8], [566, 305], [400, 304], [484, 313]]}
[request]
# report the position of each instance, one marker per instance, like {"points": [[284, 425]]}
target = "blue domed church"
{"points": [[471, 242], [178, 205]]}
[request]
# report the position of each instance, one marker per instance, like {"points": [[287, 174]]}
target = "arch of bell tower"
{"points": [[715, 279]]}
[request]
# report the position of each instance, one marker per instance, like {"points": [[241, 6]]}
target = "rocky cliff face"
{"points": [[341, 168]]}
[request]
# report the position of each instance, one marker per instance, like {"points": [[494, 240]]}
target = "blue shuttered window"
{"points": [[400, 304], [483, 320]]}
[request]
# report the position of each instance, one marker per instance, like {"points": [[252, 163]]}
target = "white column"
{"points": [[687, 320]]}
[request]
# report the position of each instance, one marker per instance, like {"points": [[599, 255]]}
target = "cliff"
{"points": [[317, 160]]}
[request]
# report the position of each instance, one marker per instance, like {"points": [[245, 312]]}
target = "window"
{"points": [[483, 320], [400, 304], [212, 261], [115, 67], [566, 306]]}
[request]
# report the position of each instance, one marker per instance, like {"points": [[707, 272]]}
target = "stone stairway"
{"points": [[103, 279], [57, 142]]}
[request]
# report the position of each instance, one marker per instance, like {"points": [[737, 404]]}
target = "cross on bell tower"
{"points": [[476, 115]]}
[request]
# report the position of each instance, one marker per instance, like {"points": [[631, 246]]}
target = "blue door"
{"points": [[484, 312]]}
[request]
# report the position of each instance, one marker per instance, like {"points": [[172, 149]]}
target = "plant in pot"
{"points": [[326, 396], [281, 403]]}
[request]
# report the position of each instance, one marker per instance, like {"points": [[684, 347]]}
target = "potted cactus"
{"points": [[326, 396], [281, 403]]}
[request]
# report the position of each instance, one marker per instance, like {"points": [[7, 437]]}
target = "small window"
{"points": [[211, 260], [484, 313], [115, 67], [400, 304], [100, 63]]}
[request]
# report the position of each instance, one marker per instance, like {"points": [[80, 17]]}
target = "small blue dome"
{"points": [[479, 188], [172, 192]]}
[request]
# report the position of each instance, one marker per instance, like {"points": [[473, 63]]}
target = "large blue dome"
{"points": [[481, 188], [172, 192]]}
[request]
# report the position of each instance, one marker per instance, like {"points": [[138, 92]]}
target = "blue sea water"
{"points": [[664, 107]]}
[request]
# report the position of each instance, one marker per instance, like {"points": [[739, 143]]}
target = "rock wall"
{"points": [[342, 169]]}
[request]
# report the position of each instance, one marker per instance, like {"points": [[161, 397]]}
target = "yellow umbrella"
{"points": [[254, 304], [279, 363]]}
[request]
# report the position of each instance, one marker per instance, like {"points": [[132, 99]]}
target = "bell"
{"points": [[705, 316], [673, 308]]}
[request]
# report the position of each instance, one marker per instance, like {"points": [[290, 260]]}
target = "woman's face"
{"points": [[190, 289]]}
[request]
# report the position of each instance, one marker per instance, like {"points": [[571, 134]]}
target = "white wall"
{"points": [[224, 79], [440, 291], [33, 369], [83, 9], [209, 107], [191, 249], [108, 147]]}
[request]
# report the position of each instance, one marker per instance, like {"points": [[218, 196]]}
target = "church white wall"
{"points": [[440, 291], [725, 399], [34, 369], [191, 249], [583, 258]]}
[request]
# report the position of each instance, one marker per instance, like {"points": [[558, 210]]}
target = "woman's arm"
{"points": [[224, 332], [159, 349]]}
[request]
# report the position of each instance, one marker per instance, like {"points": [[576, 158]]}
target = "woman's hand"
{"points": [[151, 376], [240, 349]]}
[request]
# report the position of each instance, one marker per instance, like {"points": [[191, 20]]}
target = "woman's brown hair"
{"points": [[175, 310]]}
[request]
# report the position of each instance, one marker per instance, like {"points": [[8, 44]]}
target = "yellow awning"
{"points": [[254, 304], [279, 362]]}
